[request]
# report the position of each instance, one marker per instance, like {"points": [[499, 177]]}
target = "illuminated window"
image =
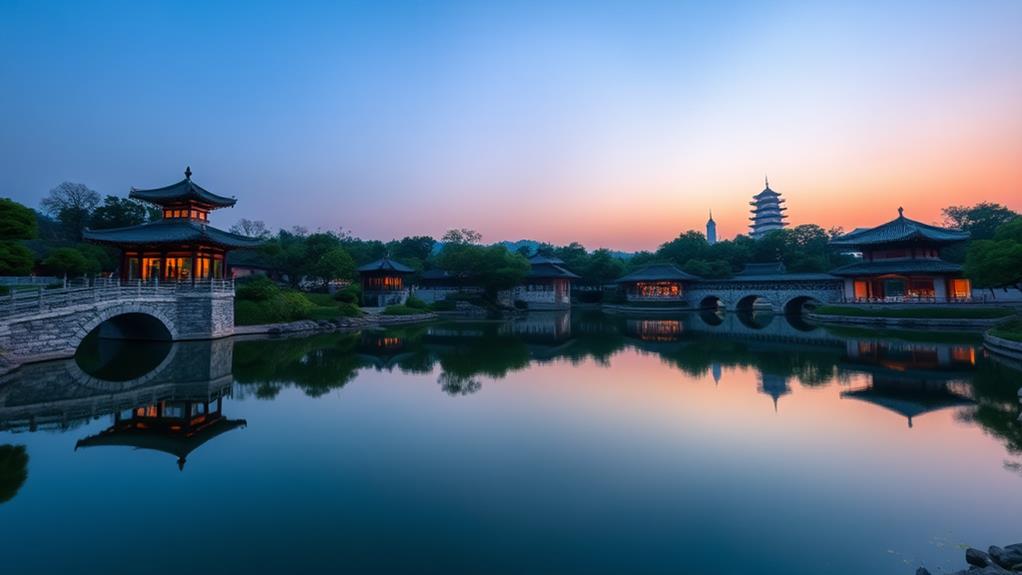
{"points": [[960, 288], [861, 289], [662, 289]]}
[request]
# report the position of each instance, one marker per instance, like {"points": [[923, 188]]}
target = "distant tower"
{"points": [[711, 230], [767, 212]]}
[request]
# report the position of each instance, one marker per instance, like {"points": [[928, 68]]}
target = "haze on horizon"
{"points": [[616, 124]]}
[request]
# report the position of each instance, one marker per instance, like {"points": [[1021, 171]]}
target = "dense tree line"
{"points": [[49, 241]]}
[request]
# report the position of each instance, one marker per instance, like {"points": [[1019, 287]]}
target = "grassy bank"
{"points": [[1011, 330], [260, 301], [916, 312]]}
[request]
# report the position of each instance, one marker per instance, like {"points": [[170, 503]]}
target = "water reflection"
{"points": [[630, 434], [174, 407], [171, 398]]}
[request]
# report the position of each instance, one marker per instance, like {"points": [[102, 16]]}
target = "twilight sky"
{"points": [[616, 124]]}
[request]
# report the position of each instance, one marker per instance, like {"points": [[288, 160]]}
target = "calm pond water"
{"points": [[558, 443]]}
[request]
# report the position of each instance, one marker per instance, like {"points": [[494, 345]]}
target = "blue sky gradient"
{"points": [[616, 124]]}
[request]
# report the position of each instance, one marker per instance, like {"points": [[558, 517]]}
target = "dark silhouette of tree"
{"points": [[13, 470], [71, 204]]}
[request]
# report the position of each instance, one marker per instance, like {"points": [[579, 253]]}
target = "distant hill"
{"points": [[532, 246]]}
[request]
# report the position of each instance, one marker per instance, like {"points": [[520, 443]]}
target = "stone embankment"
{"points": [[1002, 346], [338, 324], [993, 561]]}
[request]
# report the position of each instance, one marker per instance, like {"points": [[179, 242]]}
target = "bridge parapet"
{"points": [[51, 325], [779, 292]]}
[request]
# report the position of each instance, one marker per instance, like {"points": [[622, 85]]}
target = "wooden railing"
{"points": [[85, 291]]}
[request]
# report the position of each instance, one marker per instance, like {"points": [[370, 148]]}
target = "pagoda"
{"points": [[181, 246], [901, 262], [767, 212]]}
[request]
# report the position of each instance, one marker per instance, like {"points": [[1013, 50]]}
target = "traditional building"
{"points": [[711, 230], [437, 285], [767, 212], [180, 247], [384, 282], [901, 262], [656, 283], [547, 285]]}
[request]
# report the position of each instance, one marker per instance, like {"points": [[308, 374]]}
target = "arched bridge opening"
{"points": [[754, 302], [711, 302], [124, 347], [798, 305]]}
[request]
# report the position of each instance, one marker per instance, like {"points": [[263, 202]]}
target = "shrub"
{"points": [[349, 310], [350, 294], [282, 306], [259, 288], [69, 261], [416, 303]]}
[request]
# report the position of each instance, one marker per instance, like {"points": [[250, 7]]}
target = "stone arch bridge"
{"points": [[50, 324], [788, 292]]}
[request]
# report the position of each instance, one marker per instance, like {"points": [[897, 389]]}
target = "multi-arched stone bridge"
{"points": [[785, 293], [50, 324]]}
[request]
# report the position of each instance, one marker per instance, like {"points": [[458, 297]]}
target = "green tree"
{"points": [[15, 259], [334, 264], [122, 212], [495, 267], [461, 236], [17, 222], [690, 245], [980, 220], [70, 262], [603, 267], [997, 262]]}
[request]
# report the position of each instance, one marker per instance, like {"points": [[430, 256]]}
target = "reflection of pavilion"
{"points": [[176, 426], [174, 408], [909, 398], [655, 330], [773, 385], [910, 379]]}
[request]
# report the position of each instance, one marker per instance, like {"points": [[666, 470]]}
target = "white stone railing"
{"points": [[22, 302]]}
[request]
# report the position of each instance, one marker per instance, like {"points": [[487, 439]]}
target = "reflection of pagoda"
{"points": [[176, 426], [773, 385]]}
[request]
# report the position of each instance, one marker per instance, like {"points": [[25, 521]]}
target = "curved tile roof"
{"points": [[386, 265], [657, 272], [171, 231], [186, 189], [898, 230], [897, 266], [547, 270]]}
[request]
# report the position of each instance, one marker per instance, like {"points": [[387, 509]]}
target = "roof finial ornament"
{"points": [[766, 180], [901, 212], [188, 172]]}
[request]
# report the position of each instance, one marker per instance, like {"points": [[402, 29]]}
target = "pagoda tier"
{"points": [[182, 245], [767, 213]]}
